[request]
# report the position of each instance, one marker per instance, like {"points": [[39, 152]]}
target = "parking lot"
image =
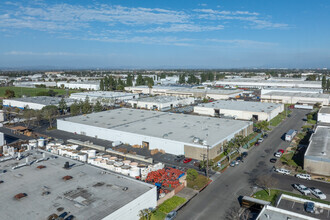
{"points": [[298, 207]]}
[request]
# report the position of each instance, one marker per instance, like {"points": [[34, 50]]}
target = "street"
{"points": [[222, 195]]}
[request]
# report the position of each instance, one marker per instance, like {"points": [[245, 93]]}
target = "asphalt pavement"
{"points": [[223, 194]]}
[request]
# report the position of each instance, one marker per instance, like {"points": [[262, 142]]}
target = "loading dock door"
{"points": [[255, 118], [145, 144], [217, 112]]}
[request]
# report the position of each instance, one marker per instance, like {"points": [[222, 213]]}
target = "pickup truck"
{"points": [[303, 189]]}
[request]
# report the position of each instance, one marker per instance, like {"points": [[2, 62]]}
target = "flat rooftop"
{"points": [[298, 94], [178, 127], [242, 106], [319, 146], [274, 213], [102, 94], [159, 99], [45, 100], [325, 110], [90, 194], [275, 81]]}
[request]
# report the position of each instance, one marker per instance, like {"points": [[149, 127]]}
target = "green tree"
{"points": [[328, 84], [37, 117], [50, 112], [129, 80], [98, 106], [162, 75], [263, 126], [192, 174], [75, 109], [324, 82], [240, 141], [182, 79], [102, 85], [203, 77], [120, 84], [86, 107], [139, 80], [9, 94], [28, 115], [62, 106]]}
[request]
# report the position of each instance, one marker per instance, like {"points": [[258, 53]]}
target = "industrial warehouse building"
{"points": [[292, 90], [240, 110], [104, 96], [36, 103], [317, 155], [323, 116], [89, 85], [262, 83], [84, 191], [216, 94], [161, 103], [296, 98], [174, 133]]}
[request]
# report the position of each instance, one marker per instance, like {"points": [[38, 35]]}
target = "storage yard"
{"points": [[49, 185], [174, 133], [240, 110], [36, 103]]}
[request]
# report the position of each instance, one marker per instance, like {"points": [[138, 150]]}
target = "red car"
{"points": [[187, 160], [281, 150]]}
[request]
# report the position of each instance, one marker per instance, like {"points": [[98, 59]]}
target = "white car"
{"points": [[302, 188], [278, 154], [260, 140], [304, 176], [318, 193], [283, 171]]}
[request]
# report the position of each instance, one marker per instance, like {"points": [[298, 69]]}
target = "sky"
{"points": [[165, 34]]}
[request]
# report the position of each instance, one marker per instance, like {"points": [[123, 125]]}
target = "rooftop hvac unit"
{"points": [[66, 165]]}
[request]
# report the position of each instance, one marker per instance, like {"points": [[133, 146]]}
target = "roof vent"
{"points": [[323, 153]]}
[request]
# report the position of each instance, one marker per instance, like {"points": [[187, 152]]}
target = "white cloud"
{"points": [[183, 28], [244, 43]]}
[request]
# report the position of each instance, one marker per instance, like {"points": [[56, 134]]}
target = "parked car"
{"points": [[63, 215], [236, 162], [244, 154], [273, 160], [171, 215], [304, 176], [233, 163], [265, 135], [187, 160], [302, 189], [281, 150], [283, 171], [260, 140], [178, 158], [309, 207], [278, 154], [239, 159], [257, 144], [318, 193], [70, 217]]}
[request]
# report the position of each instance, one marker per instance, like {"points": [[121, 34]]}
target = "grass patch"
{"points": [[171, 204], [219, 157], [287, 159], [278, 119], [274, 194], [198, 183], [19, 91], [158, 215], [313, 122]]}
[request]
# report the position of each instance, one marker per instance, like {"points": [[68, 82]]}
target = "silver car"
{"points": [[171, 215]]}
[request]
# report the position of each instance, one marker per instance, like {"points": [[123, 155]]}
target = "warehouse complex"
{"points": [[317, 155], [36, 102], [296, 98], [187, 92], [161, 103], [174, 133], [237, 109], [104, 96], [44, 188]]}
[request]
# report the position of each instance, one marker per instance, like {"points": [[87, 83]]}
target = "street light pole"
{"points": [[207, 161]]}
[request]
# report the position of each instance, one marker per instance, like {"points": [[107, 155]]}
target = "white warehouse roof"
{"points": [[242, 106], [178, 127]]}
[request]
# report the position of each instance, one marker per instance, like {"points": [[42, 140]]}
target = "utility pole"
{"points": [[207, 161]]}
